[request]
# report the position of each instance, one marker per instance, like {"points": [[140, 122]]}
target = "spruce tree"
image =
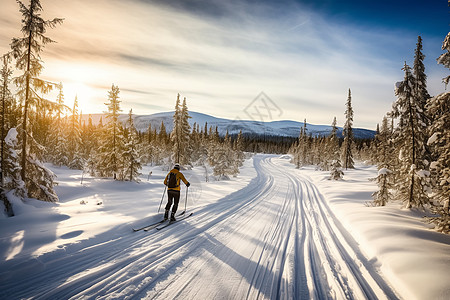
{"points": [[413, 187], [76, 160], [132, 163], [5, 96], [26, 50], [58, 148], [384, 178], [27, 53], [111, 140], [6, 99], [439, 143], [420, 88], [185, 133], [175, 135], [12, 178], [347, 155], [444, 59], [180, 133], [334, 159], [238, 148]]}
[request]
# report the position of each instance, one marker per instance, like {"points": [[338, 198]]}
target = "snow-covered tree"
{"points": [[109, 157], [347, 155], [131, 163], [5, 96], [27, 53], [238, 149], [180, 133], [420, 88], [439, 143], [413, 176], [444, 59], [76, 160], [12, 178], [222, 157], [26, 50], [57, 150], [384, 178], [334, 159]]}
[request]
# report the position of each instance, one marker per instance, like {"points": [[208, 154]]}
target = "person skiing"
{"points": [[172, 181]]}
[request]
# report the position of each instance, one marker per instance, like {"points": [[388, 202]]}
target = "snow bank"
{"points": [[414, 258]]}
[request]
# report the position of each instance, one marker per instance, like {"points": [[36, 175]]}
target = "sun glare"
{"points": [[82, 91]]}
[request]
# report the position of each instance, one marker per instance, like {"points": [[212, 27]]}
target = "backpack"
{"points": [[172, 181]]}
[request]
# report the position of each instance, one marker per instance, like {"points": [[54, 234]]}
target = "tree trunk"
{"points": [[26, 103], [411, 122]]}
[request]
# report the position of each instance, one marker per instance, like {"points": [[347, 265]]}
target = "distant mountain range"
{"points": [[274, 128]]}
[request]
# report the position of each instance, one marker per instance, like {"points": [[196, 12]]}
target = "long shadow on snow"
{"points": [[47, 275]]}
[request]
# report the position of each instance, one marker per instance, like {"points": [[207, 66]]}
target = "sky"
{"points": [[303, 55]]}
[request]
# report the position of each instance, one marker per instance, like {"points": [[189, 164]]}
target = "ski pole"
{"points": [[185, 202], [162, 198]]}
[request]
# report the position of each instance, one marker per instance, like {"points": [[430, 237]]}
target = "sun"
{"points": [[78, 80], [83, 92]]}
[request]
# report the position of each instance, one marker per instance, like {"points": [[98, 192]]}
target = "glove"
{"points": [[188, 184]]}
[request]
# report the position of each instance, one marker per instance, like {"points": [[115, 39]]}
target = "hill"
{"points": [[284, 128]]}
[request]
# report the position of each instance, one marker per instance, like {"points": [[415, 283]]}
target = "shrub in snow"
{"points": [[384, 182], [336, 171]]}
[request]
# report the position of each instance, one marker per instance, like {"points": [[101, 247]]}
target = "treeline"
{"points": [[413, 144], [330, 153], [35, 130], [411, 149]]}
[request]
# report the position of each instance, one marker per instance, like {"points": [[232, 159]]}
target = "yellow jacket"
{"points": [[180, 176]]}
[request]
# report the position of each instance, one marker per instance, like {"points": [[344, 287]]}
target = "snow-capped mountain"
{"points": [[275, 128]]}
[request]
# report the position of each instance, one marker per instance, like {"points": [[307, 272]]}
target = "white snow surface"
{"points": [[273, 232]]}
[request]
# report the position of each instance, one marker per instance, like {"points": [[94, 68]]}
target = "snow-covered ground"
{"points": [[273, 232]]}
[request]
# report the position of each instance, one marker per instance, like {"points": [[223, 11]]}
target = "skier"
{"points": [[172, 181]]}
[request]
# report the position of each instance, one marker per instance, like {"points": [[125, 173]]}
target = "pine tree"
{"points": [[5, 96], [444, 59], [222, 157], [347, 155], [413, 187], [162, 136], [57, 150], [420, 88], [12, 178], [76, 160], [384, 178], [334, 159], [27, 50], [238, 148], [185, 133], [111, 142], [180, 133], [132, 163], [439, 143], [175, 136]]}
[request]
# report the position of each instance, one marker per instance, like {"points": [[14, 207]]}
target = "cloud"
{"points": [[222, 54]]}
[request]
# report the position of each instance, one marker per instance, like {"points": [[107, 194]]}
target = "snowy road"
{"points": [[274, 239]]}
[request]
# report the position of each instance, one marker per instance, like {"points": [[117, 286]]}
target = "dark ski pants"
{"points": [[173, 197]]}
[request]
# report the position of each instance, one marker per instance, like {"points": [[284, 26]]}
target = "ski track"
{"points": [[274, 239]]}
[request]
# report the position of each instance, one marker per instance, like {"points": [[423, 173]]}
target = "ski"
{"points": [[149, 226], [154, 225], [173, 222]]}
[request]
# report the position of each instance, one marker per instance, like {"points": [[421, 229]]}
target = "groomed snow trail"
{"points": [[274, 239]]}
